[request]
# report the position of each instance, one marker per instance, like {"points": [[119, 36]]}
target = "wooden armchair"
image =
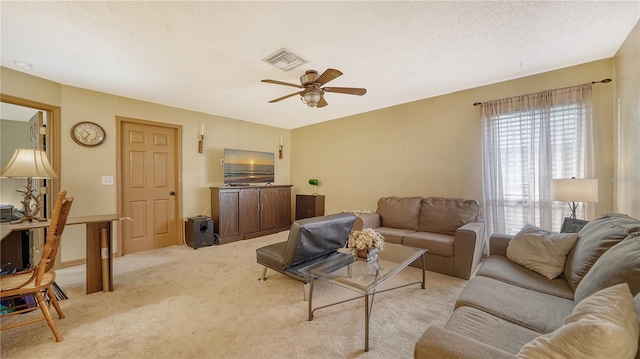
{"points": [[38, 281]]}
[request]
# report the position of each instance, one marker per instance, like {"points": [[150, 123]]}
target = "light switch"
{"points": [[107, 180]]}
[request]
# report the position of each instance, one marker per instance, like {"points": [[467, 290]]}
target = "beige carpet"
{"points": [[177, 302]]}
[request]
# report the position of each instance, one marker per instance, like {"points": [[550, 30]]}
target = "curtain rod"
{"points": [[605, 81]]}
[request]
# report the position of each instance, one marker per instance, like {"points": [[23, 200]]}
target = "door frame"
{"points": [[53, 149], [52, 143], [177, 129]]}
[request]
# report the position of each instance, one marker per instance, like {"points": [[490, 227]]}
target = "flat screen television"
{"points": [[246, 167]]}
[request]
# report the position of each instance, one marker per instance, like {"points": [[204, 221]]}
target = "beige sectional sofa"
{"points": [[451, 229], [507, 308]]}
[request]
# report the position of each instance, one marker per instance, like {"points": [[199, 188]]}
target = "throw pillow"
{"points": [[399, 212], [620, 264], [595, 238], [541, 251], [446, 215], [603, 325]]}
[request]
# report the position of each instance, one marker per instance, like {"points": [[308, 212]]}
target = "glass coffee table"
{"points": [[364, 277]]}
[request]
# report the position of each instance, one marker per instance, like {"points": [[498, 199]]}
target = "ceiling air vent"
{"points": [[284, 60]]}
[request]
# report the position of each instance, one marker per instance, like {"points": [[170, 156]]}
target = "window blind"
{"points": [[523, 150]]}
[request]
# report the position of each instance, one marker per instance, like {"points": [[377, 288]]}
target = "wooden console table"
{"points": [[11, 247]]}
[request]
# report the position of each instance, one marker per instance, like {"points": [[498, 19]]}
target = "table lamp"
{"points": [[29, 163], [314, 182], [574, 190]]}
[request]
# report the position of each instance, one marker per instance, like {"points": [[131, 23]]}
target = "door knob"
{"points": [[173, 193]]}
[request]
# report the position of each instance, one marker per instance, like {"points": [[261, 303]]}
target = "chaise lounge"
{"points": [[310, 240]]}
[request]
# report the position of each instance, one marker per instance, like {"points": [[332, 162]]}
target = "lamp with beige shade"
{"points": [[31, 164], [574, 191]]}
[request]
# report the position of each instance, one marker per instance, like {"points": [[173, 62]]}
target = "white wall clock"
{"points": [[88, 134]]}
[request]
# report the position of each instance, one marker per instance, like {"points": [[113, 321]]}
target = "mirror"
{"points": [[14, 133], [16, 113], [17, 110]]}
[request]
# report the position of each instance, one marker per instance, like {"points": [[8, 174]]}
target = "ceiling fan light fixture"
{"points": [[311, 97]]}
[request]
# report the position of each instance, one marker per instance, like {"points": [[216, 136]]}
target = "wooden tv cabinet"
{"points": [[243, 212]]}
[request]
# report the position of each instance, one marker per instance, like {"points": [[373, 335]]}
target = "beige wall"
{"points": [[627, 120], [33, 88], [82, 168], [431, 147]]}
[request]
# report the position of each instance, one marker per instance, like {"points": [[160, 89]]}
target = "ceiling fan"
{"points": [[313, 94]]}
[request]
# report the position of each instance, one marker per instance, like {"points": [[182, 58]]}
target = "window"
{"points": [[528, 141]]}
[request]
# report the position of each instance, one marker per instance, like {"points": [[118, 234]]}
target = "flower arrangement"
{"points": [[366, 239]]}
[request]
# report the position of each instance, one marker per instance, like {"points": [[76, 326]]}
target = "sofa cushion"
{"points": [[399, 212], [534, 310], [271, 255], [620, 264], [503, 269], [393, 235], [436, 243], [489, 329], [541, 251], [594, 239], [437, 342], [445, 215], [603, 325]]}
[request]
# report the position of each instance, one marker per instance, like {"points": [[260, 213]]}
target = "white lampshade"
{"points": [[575, 190], [28, 162]]}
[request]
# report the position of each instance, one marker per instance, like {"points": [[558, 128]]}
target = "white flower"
{"points": [[366, 239]]}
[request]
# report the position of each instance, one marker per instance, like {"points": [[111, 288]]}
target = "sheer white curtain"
{"points": [[528, 141]]}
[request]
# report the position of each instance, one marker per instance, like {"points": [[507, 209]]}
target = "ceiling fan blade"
{"points": [[284, 97], [346, 90], [281, 83], [327, 76], [322, 102]]}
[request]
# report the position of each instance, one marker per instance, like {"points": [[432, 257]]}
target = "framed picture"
{"points": [[572, 225]]}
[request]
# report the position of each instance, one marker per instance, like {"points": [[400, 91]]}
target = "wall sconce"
{"points": [[281, 150], [29, 163], [201, 139], [314, 182]]}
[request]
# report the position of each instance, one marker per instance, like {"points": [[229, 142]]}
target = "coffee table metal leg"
{"points": [[367, 312], [311, 297], [423, 269], [368, 308]]}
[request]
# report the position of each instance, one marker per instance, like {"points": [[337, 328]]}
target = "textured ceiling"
{"points": [[207, 56]]}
